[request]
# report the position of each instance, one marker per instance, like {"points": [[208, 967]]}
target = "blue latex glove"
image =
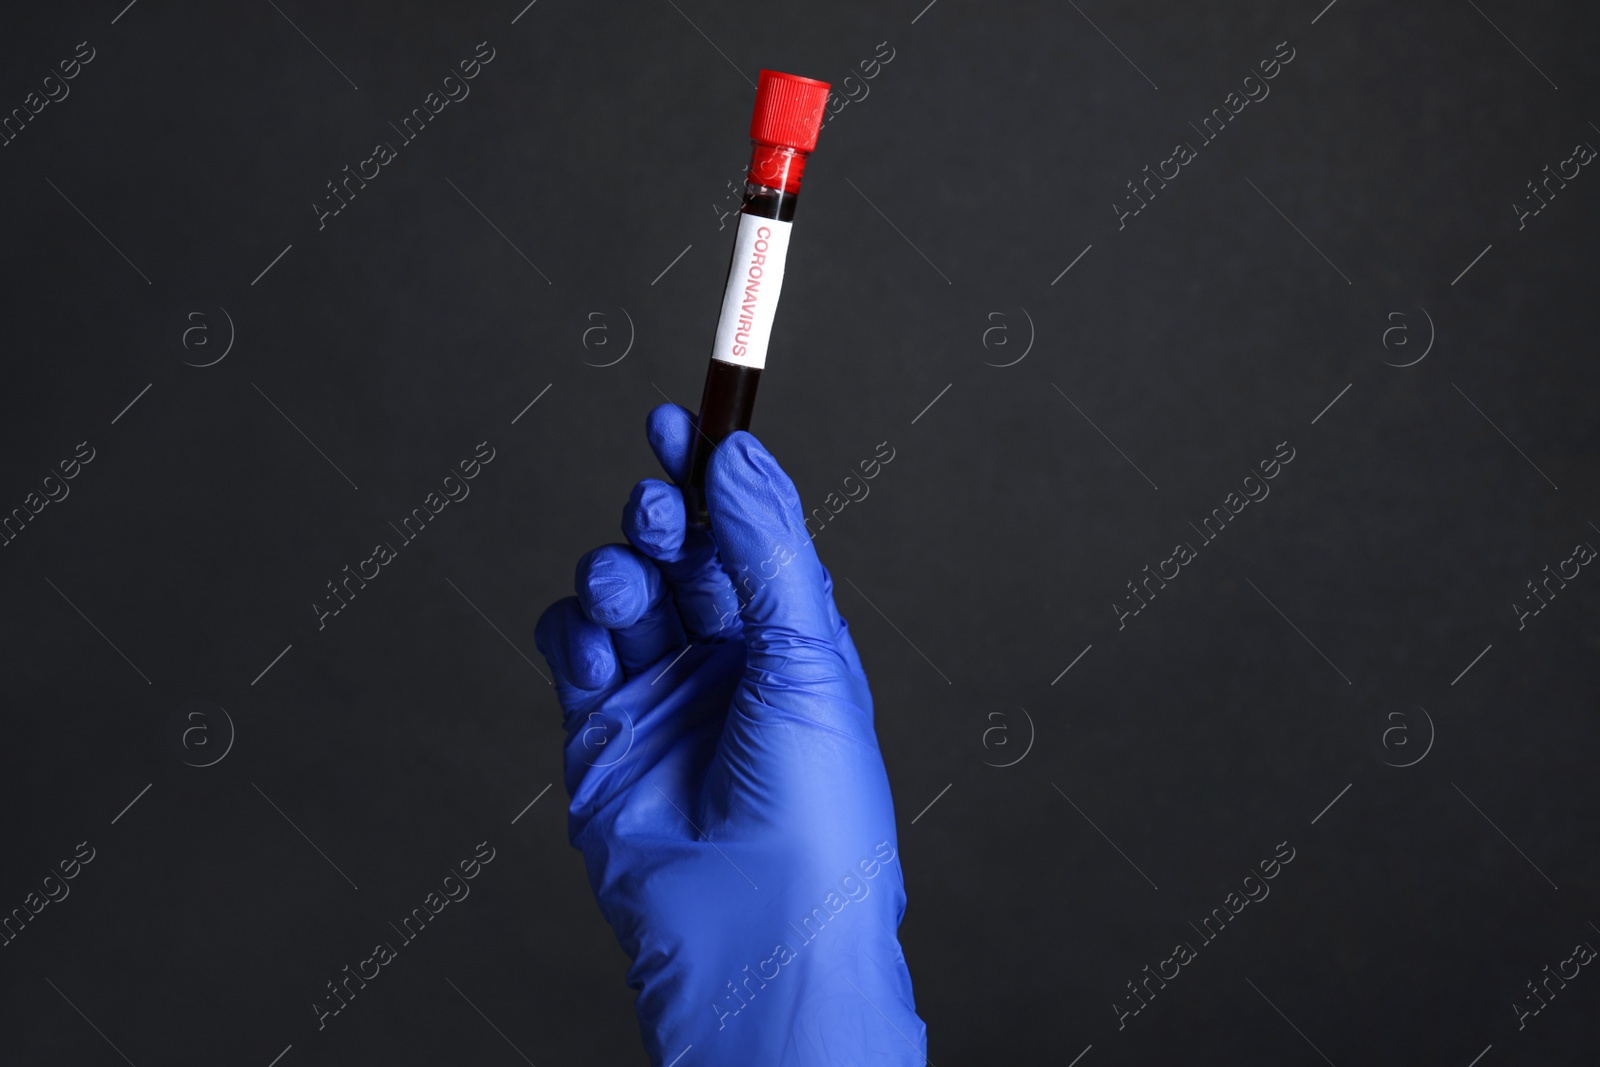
{"points": [[727, 790]]}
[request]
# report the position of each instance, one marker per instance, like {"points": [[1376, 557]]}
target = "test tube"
{"points": [[783, 132]]}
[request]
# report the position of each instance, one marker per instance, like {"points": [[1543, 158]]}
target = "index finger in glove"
{"points": [[655, 522]]}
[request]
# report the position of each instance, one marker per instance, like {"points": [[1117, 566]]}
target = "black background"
{"points": [[939, 206]]}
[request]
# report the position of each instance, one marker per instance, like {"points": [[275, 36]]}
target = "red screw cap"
{"points": [[787, 119], [789, 110]]}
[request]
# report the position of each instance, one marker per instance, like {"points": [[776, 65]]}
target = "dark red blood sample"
{"points": [[788, 116]]}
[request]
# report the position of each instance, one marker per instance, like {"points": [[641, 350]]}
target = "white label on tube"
{"points": [[751, 300]]}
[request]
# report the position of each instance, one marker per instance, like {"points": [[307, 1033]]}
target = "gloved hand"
{"points": [[727, 790]]}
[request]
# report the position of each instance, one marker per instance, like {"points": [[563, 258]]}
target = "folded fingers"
{"points": [[655, 522], [582, 659], [621, 590]]}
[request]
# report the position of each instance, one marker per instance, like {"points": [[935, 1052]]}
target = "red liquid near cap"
{"points": [[783, 132]]}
